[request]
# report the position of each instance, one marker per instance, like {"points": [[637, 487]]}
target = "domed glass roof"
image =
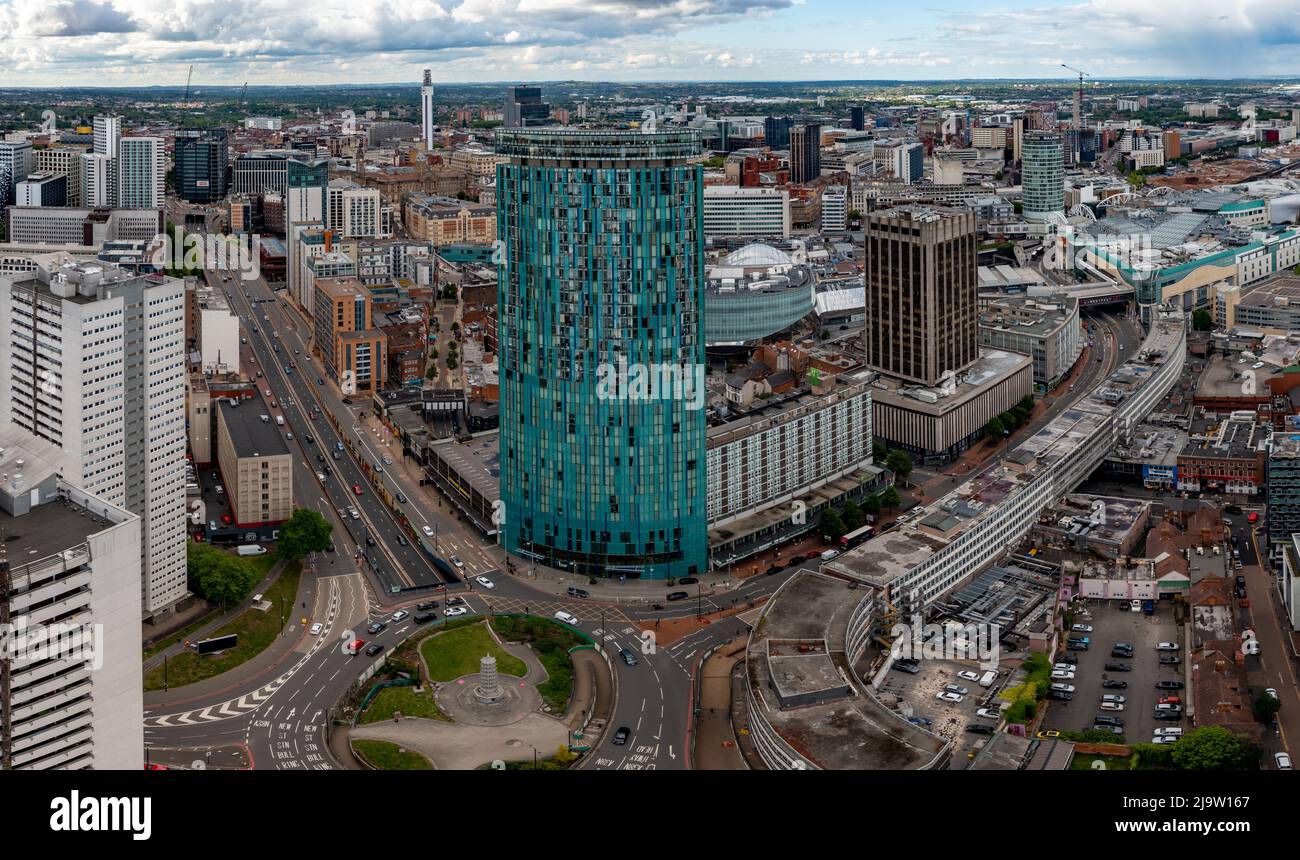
{"points": [[758, 254]]}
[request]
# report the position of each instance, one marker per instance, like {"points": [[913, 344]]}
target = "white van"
{"points": [[988, 678], [251, 549], [830, 554]]}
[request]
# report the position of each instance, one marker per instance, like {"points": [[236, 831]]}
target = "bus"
{"points": [[856, 537]]}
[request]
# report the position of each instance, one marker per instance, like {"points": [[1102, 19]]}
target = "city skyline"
{"points": [[74, 41]]}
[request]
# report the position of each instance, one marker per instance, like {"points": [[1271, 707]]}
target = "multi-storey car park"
{"points": [[911, 566]]}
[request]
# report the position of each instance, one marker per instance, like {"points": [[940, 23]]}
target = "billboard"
{"points": [[218, 643]]}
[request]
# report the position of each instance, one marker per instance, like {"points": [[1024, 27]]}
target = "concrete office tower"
{"points": [[43, 189], [835, 209], [922, 319], [805, 153], [352, 212], [108, 131], [858, 118], [111, 394], [141, 173], [72, 560], [67, 162], [426, 109], [599, 475], [1042, 175], [15, 164]]}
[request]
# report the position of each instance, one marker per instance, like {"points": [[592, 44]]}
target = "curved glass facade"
{"points": [[601, 297], [744, 315], [1042, 163]]}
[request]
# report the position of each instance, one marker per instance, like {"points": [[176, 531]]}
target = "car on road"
{"points": [[354, 513], [402, 541], [401, 499], [320, 381], [677, 595], [1112, 684], [388, 461], [1252, 517], [370, 541], [1166, 646], [687, 580], [561, 615], [455, 601], [952, 698], [454, 559], [320, 476], [356, 488], [428, 530], [455, 610], [374, 649], [989, 713], [426, 605], [424, 617], [1272, 692], [968, 676], [220, 490], [317, 629], [1233, 509], [376, 627], [578, 592], [399, 615], [1118, 667], [628, 656], [1282, 760], [484, 581], [621, 736]]}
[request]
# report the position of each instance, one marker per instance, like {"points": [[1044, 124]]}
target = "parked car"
{"points": [[374, 649], [1163, 739], [455, 610], [957, 688], [1272, 692], [678, 595], [1172, 731], [1170, 659], [1059, 695], [1081, 628], [1167, 646], [1169, 685], [989, 713], [1118, 667], [1064, 688], [979, 728], [1107, 720], [1112, 697], [1282, 760], [1112, 684], [1058, 675], [953, 698], [578, 592], [428, 530], [1111, 706], [1169, 700], [426, 605], [968, 676]]}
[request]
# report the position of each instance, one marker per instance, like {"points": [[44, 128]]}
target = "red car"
{"points": [[1170, 700], [356, 488], [227, 519], [1252, 517]]}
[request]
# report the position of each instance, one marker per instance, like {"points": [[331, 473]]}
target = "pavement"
{"points": [[715, 742]]}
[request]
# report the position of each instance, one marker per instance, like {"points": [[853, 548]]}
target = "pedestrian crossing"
{"points": [[582, 611]]}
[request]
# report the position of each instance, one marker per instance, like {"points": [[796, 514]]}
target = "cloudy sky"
{"points": [[140, 42]]}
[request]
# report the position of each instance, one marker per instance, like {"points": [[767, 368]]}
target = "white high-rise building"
{"points": [[97, 184], [141, 173], [15, 165], [426, 109], [835, 209], [73, 564], [99, 370], [108, 131], [353, 212], [733, 211]]}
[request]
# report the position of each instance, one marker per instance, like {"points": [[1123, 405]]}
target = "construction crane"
{"points": [[1077, 122], [189, 77]]}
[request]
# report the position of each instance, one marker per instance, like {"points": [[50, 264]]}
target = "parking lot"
{"points": [[1111, 625], [948, 719]]}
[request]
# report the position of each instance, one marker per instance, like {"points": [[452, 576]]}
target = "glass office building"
{"points": [[1042, 175], [201, 164], [601, 299]]}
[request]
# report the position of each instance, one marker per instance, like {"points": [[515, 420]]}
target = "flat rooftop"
{"points": [[477, 461], [46, 530], [992, 367], [856, 732], [250, 435]]}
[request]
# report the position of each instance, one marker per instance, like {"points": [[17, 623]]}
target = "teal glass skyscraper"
{"points": [[601, 296]]}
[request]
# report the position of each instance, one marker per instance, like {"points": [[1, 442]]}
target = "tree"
{"points": [[899, 463], [1213, 748], [830, 523], [872, 505], [878, 449], [1266, 707], [306, 531], [1201, 320], [1028, 402], [890, 498], [995, 428], [852, 515], [218, 576]]}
